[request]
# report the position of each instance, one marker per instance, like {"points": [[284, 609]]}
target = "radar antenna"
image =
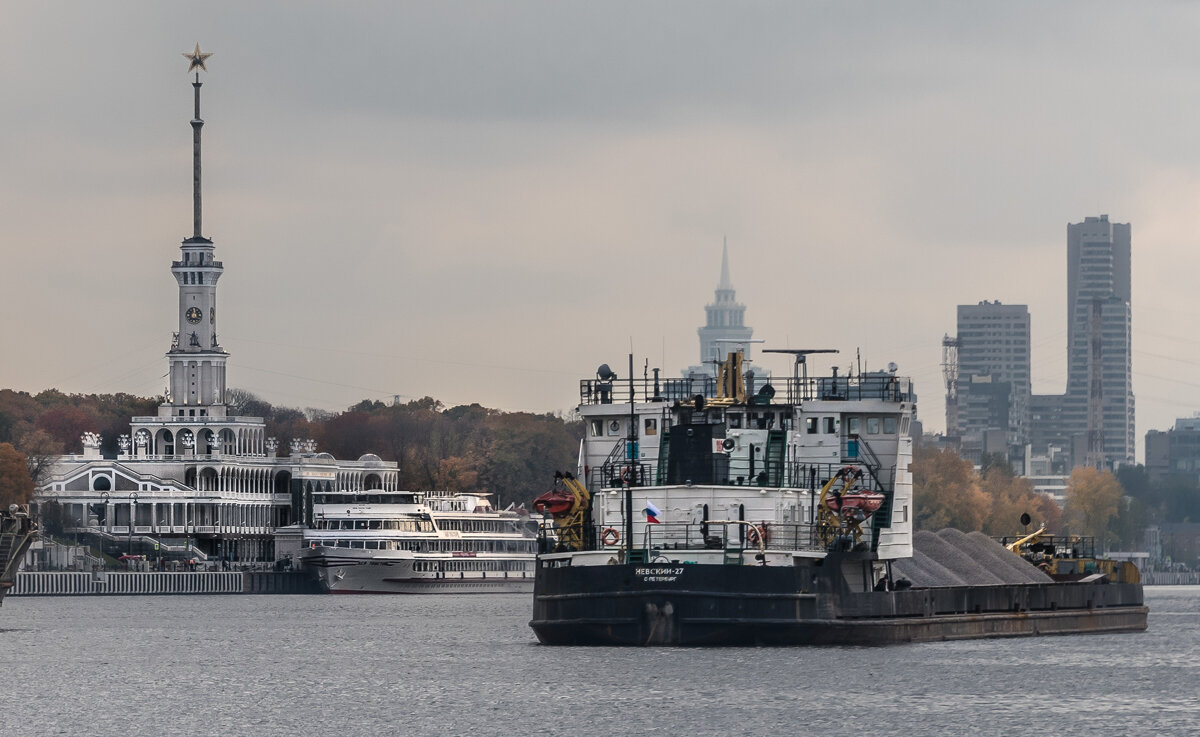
{"points": [[800, 368]]}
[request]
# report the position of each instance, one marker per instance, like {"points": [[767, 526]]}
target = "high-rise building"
{"points": [[1175, 452], [1098, 408], [725, 326], [993, 386]]}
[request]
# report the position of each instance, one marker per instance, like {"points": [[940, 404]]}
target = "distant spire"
{"points": [[196, 60], [725, 284]]}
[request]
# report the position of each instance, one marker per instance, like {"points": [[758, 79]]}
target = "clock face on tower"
{"points": [[193, 315]]}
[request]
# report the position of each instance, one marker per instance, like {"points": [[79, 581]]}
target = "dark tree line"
{"points": [[512, 455]]}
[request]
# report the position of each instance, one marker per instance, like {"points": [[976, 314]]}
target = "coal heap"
{"points": [[954, 558]]}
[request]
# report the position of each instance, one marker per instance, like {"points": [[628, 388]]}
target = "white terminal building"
{"points": [[194, 481]]}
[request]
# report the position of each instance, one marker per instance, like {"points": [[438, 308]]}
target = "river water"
{"points": [[469, 665]]}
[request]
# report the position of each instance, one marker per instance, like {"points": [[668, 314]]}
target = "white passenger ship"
{"points": [[409, 542]]}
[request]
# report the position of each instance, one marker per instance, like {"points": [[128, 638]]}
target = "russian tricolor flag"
{"points": [[652, 513]]}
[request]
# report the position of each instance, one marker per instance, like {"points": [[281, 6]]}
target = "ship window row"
{"points": [[472, 565], [413, 545], [523, 545], [764, 420], [404, 525], [813, 425], [873, 424], [477, 525]]}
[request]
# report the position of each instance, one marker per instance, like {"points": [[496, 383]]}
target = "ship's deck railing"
{"points": [[886, 387], [724, 535], [1055, 546], [806, 477]]}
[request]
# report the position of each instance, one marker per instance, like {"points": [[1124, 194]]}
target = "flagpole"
{"points": [[631, 444]]}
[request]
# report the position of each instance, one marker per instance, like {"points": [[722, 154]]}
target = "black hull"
{"points": [[699, 605]]}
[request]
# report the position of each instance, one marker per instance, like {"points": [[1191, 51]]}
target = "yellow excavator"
{"points": [[1071, 557]]}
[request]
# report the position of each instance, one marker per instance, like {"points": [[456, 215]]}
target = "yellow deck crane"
{"points": [[568, 504]]}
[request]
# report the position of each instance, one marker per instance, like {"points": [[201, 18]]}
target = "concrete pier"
{"points": [[105, 583]]}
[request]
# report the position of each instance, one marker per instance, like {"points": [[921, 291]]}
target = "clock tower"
{"points": [[197, 361]]}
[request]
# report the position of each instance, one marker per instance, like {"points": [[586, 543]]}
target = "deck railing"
{"points": [[792, 390], [723, 535], [795, 475]]}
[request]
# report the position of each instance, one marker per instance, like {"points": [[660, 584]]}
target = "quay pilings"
{"points": [[1170, 578], [118, 583]]}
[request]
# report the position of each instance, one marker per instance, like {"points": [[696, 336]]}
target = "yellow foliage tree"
{"points": [[1092, 502], [1012, 496], [946, 492], [15, 485]]}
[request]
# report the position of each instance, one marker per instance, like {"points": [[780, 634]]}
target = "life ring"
{"points": [[755, 533], [610, 536]]}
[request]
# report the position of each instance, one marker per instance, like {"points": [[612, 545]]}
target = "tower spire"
{"points": [[726, 283], [196, 61]]}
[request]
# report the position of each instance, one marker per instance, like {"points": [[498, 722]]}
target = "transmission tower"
{"points": [[950, 375], [1095, 450]]}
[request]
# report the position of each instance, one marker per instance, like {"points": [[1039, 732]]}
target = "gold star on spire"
{"points": [[196, 58]]}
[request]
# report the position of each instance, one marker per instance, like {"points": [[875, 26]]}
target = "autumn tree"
{"points": [[946, 492], [1011, 496], [18, 413], [1093, 501], [66, 424], [40, 451], [456, 474], [15, 485], [522, 453]]}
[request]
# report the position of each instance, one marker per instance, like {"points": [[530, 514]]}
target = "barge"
{"points": [[726, 513]]}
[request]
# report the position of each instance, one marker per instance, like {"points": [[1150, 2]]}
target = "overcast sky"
{"points": [[481, 202]]}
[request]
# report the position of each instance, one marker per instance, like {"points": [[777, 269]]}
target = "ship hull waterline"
{"points": [[375, 576], [735, 605]]}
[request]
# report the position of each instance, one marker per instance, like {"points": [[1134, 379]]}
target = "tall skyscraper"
{"points": [[993, 385], [725, 321], [1098, 409]]}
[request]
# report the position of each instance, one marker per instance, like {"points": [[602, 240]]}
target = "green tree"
{"points": [[1130, 523], [52, 518]]}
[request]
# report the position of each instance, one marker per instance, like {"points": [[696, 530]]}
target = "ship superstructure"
{"points": [[751, 456]]}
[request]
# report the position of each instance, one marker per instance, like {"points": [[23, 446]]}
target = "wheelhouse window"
{"points": [[889, 425], [597, 428], [873, 425], [830, 425]]}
